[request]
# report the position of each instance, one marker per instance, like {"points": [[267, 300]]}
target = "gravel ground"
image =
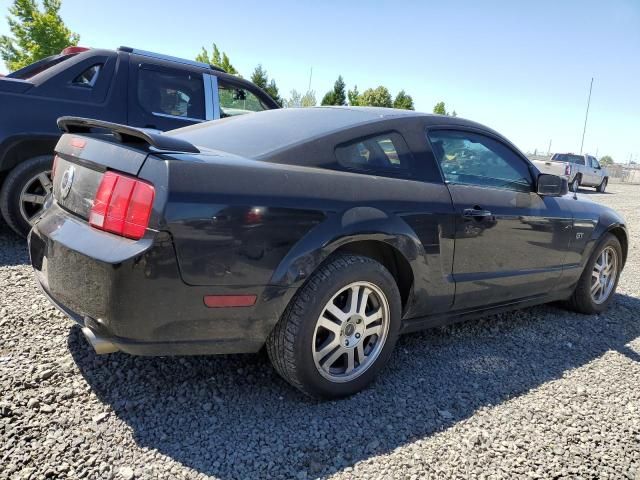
{"points": [[539, 393]]}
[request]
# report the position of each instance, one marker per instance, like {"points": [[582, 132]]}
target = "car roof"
{"points": [[261, 134]]}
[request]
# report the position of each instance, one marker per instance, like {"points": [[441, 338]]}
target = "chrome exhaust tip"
{"points": [[99, 344]]}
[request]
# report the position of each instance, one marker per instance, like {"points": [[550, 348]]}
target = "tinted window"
{"points": [[569, 157], [473, 159], [386, 153], [89, 77], [237, 100], [177, 94], [595, 163]]}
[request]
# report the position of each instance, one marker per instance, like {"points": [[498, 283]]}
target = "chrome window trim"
{"points": [[177, 117]]}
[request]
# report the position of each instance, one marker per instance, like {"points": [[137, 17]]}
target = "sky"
{"points": [[522, 68]]}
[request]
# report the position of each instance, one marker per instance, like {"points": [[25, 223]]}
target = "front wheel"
{"points": [[599, 280], [340, 328], [24, 192]]}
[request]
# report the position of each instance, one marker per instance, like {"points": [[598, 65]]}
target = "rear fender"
{"points": [[354, 225], [17, 148]]}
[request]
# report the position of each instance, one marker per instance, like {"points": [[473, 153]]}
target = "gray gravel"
{"points": [[539, 393]]}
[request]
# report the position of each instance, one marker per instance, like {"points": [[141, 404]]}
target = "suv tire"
{"points": [[25, 181]]}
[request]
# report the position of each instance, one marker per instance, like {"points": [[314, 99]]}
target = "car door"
{"points": [[594, 171], [164, 97], [510, 242]]}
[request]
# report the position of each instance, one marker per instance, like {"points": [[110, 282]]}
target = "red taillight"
{"points": [[567, 169], [122, 205]]}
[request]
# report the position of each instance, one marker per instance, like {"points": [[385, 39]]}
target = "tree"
{"points": [[440, 109], [260, 78], [36, 33], [606, 161], [295, 100], [354, 96], [403, 101], [217, 59], [337, 96], [379, 97], [309, 99]]}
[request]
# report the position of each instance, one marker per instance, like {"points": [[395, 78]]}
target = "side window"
{"points": [[386, 153], [235, 100], [176, 94], [472, 159], [89, 77], [595, 163]]}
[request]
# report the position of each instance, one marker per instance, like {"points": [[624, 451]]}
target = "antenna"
{"points": [[586, 116]]}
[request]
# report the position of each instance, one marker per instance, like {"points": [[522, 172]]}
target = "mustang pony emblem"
{"points": [[66, 182]]}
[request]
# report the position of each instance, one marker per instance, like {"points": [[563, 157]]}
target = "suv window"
{"points": [[176, 94], [594, 162], [235, 100], [472, 159], [387, 154], [569, 157], [89, 77]]}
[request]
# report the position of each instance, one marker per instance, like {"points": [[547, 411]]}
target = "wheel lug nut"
{"points": [[359, 320], [346, 343], [357, 335]]}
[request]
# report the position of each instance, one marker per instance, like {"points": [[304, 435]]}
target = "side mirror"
{"points": [[552, 185]]}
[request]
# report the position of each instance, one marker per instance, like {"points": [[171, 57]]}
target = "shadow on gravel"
{"points": [[13, 248], [232, 416]]}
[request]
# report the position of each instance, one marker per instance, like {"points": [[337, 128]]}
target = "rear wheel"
{"points": [[575, 184], [24, 191], [340, 328], [603, 186], [598, 281]]}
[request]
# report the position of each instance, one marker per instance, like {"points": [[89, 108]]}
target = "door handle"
{"points": [[476, 212]]}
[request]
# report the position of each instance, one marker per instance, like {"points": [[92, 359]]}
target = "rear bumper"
{"points": [[131, 294]]}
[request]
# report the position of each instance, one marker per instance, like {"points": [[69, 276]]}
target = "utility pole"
{"points": [[586, 116], [310, 77], [549, 149]]}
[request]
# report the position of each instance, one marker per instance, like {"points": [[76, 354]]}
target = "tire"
{"points": [[575, 184], [603, 186], [297, 341], [24, 176], [582, 300]]}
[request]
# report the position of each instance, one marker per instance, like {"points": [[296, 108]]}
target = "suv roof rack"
{"points": [[170, 58]]}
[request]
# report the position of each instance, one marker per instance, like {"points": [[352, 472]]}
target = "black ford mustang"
{"points": [[323, 233]]}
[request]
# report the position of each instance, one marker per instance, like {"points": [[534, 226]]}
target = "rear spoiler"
{"points": [[126, 133]]}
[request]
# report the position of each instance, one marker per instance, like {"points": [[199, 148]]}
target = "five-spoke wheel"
{"points": [[339, 329]]}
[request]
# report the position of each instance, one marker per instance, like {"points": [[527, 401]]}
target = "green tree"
{"points": [[36, 33], [217, 59], [403, 101], [606, 161], [354, 96], [260, 78], [337, 96], [378, 97], [440, 109], [309, 99], [294, 101]]}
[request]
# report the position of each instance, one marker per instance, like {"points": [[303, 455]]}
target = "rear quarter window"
{"points": [[385, 154]]}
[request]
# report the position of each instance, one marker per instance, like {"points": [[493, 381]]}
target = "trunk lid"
{"points": [[80, 164]]}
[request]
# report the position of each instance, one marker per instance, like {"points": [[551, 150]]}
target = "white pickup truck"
{"points": [[579, 170]]}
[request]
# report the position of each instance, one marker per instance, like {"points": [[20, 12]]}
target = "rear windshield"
{"points": [[262, 133], [568, 157], [38, 67]]}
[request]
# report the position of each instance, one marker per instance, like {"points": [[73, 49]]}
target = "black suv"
{"points": [[127, 86]]}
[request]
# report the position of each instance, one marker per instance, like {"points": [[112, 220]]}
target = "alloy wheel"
{"points": [[351, 332], [33, 195], [603, 276]]}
